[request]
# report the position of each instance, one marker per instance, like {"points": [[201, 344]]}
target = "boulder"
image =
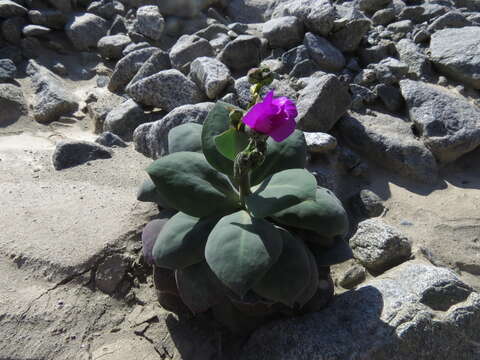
{"points": [[283, 32], [349, 29], [389, 142], [159, 61], [72, 153], [448, 124], [123, 119], [12, 103], [242, 53], [456, 53], [166, 89], [106, 9], [327, 56], [52, 98], [102, 102], [85, 29], [321, 103], [211, 75], [10, 8], [249, 11], [151, 139], [50, 18], [150, 22], [35, 30], [8, 70], [12, 29], [411, 55], [370, 6], [414, 311], [111, 47], [188, 48], [452, 19], [110, 273]]}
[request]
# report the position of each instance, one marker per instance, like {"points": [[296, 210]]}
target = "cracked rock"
{"points": [[110, 273]]}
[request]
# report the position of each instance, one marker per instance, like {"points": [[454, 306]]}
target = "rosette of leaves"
{"points": [[245, 260]]}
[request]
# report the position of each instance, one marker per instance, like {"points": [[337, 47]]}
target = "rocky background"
{"points": [[388, 97]]}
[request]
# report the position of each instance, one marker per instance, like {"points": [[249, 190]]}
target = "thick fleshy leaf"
{"points": [[149, 237], [289, 276], [181, 242], [307, 293], [235, 320], [325, 215], [191, 185], [241, 249], [281, 191], [217, 122], [198, 287], [148, 193], [338, 253], [167, 292], [185, 137], [231, 142], [291, 153]]}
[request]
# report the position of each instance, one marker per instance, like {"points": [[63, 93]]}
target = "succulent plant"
{"points": [[254, 235]]}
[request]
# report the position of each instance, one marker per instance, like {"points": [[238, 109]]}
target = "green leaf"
{"points": [[231, 142], [337, 254], [148, 193], [289, 276], [198, 287], [241, 249], [288, 154], [305, 296], [181, 242], [191, 185], [281, 191], [217, 122], [186, 137], [235, 320], [325, 215]]}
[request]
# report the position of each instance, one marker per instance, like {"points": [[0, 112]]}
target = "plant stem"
{"points": [[244, 185]]}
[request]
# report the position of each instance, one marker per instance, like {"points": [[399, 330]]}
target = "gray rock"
{"points": [[10, 8], [188, 48], [294, 56], [283, 32], [319, 142], [390, 96], [349, 29], [127, 68], [370, 6], [52, 97], [383, 16], [386, 318], [411, 55], [159, 61], [248, 11], [389, 141], [150, 22], [72, 153], [63, 5], [244, 52], [361, 96], [213, 31], [111, 47], [8, 70], [167, 89], [118, 26], [106, 9], [12, 29], [317, 15], [421, 36], [448, 124], [110, 273], [109, 139], [84, 30], [451, 19], [304, 68], [456, 53], [12, 103], [402, 26], [353, 276], [210, 75], [367, 204], [327, 56], [378, 246], [36, 30], [123, 119], [182, 8], [50, 18], [321, 104], [151, 139], [102, 103]]}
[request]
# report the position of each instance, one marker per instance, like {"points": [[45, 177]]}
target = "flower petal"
{"points": [[259, 117], [287, 105], [283, 129]]}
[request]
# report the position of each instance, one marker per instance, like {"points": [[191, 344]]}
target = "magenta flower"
{"points": [[273, 116]]}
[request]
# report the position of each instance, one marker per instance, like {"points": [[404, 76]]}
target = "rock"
{"points": [[353, 276], [376, 53], [370, 6], [109, 139], [451, 19], [244, 52], [390, 96], [389, 141], [10, 8], [111, 47], [319, 142], [110, 273], [422, 13], [284, 32], [107, 10], [421, 36], [351, 27], [378, 246], [127, 67], [123, 119], [386, 317], [150, 22], [317, 15], [304, 68], [448, 124], [328, 57], [52, 98], [361, 96], [403, 27], [35, 30], [248, 11], [8, 70], [104, 101], [188, 48], [12, 103], [72, 153], [159, 61], [456, 53], [166, 89], [367, 204], [294, 56], [151, 139], [12, 29], [321, 104], [84, 30], [63, 5], [243, 95], [210, 75], [417, 62], [50, 18], [182, 8]]}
